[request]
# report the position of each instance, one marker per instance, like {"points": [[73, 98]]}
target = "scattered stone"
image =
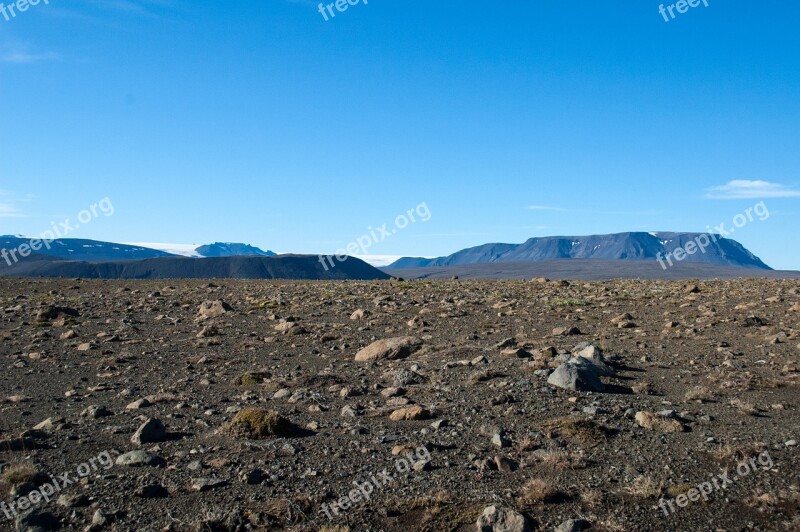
{"points": [[595, 355], [508, 342], [505, 465], [779, 338], [500, 440], [515, 352], [502, 519], [213, 309], [100, 519], [201, 485], [140, 458], [52, 313], [574, 525], [404, 377], [151, 431], [390, 349], [69, 335], [359, 314], [349, 411], [574, 377], [50, 424], [416, 323], [290, 328], [18, 399], [138, 404], [439, 423], [151, 491], [73, 501], [411, 413], [622, 318], [253, 477], [209, 331], [96, 412], [691, 289], [753, 321], [595, 411]]}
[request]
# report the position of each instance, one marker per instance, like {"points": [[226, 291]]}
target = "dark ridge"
{"points": [[307, 267], [590, 270]]}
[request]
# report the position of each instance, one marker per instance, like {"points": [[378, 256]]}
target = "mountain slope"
{"points": [[307, 267], [79, 249], [229, 249], [619, 246], [94, 250], [590, 270]]}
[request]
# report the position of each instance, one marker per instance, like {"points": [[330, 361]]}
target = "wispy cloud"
{"points": [[140, 7], [20, 57], [104, 12], [546, 208], [437, 235], [107, 13], [8, 205], [534, 227], [309, 3], [586, 211], [747, 189]]}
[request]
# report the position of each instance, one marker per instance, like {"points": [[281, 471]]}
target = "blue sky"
{"points": [[261, 122]]}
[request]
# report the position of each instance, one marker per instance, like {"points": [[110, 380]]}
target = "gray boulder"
{"points": [[579, 377]]}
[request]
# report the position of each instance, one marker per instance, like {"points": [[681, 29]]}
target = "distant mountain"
{"points": [[308, 267], [218, 249], [228, 249], [97, 251], [77, 249], [409, 262], [620, 246], [92, 259]]}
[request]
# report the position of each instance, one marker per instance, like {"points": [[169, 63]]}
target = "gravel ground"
{"points": [[247, 405]]}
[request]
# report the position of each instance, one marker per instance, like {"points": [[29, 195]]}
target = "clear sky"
{"points": [[261, 122]]}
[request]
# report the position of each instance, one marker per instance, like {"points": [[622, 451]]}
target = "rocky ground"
{"points": [[396, 405]]}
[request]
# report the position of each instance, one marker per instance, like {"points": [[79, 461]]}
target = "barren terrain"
{"points": [[258, 407]]}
